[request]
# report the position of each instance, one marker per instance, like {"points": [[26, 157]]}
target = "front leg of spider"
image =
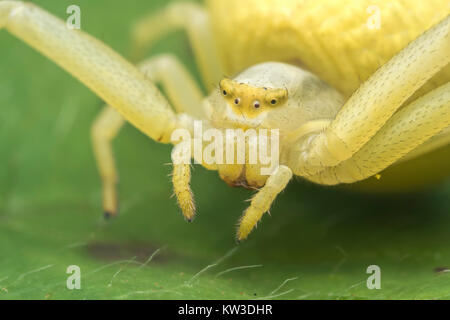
{"points": [[262, 201], [181, 178]]}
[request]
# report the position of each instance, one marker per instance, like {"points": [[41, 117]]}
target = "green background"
{"points": [[317, 244]]}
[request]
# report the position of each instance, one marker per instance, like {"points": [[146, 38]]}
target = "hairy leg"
{"points": [[404, 132], [438, 141], [263, 199], [181, 178], [195, 20], [184, 95], [378, 99]]}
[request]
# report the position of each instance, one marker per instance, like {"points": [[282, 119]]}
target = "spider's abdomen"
{"points": [[335, 39]]}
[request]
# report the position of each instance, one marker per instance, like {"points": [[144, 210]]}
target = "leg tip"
{"points": [[239, 239], [108, 215]]}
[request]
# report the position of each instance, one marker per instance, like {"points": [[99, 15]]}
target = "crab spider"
{"points": [[323, 138]]}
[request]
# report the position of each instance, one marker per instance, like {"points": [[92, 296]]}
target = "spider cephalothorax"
{"points": [[271, 95]]}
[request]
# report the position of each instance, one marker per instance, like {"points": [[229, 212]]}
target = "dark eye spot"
{"points": [[273, 101], [224, 92], [237, 100], [256, 104]]}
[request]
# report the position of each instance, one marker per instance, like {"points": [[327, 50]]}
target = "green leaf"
{"points": [[317, 244]]}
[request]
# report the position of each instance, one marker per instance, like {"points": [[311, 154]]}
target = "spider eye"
{"points": [[273, 101], [256, 104], [237, 101], [224, 92]]}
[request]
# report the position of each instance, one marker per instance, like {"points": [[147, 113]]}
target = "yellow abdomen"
{"points": [[335, 39]]}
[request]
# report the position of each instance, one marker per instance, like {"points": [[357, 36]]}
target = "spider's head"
{"points": [[271, 95], [247, 102]]}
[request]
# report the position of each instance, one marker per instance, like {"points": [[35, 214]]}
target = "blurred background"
{"points": [[316, 244]]}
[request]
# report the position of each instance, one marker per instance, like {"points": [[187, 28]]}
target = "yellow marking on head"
{"points": [[251, 101]]}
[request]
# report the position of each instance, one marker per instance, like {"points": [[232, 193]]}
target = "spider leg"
{"points": [[105, 72], [183, 94], [180, 87], [181, 177], [438, 141], [378, 99], [405, 131], [195, 20], [263, 199], [104, 130]]}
